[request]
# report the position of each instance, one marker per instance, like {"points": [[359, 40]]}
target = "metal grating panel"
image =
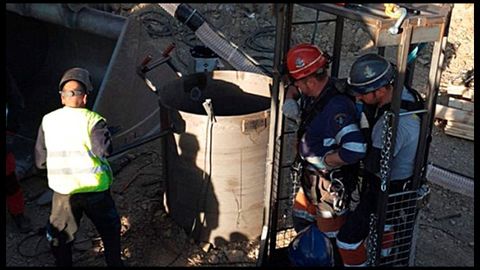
{"points": [[285, 237], [401, 213]]}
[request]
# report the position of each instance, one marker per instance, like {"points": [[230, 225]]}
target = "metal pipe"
{"points": [[312, 22], [120, 152], [315, 29], [412, 112], [450, 180], [213, 39], [368, 9], [86, 19]]}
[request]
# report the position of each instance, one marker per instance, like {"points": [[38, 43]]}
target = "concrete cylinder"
{"points": [[216, 165]]}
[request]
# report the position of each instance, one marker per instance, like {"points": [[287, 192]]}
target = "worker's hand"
{"points": [[323, 165], [291, 109], [363, 121], [292, 92]]}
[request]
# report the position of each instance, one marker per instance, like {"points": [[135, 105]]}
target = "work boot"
{"points": [[23, 223]]}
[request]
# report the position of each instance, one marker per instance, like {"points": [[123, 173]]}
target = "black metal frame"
{"points": [[431, 25]]}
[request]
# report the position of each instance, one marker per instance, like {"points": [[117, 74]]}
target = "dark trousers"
{"points": [[67, 211]]}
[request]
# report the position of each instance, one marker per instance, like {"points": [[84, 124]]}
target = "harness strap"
{"points": [[407, 105], [316, 107], [319, 188]]}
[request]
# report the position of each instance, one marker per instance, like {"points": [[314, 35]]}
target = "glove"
{"points": [[290, 109]]}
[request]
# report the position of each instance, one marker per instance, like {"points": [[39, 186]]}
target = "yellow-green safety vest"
{"points": [[71, 165]]}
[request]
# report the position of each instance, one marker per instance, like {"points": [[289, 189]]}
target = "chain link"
{"points": [[372, 241], [295, 175], [384, 171], [386, 148]]}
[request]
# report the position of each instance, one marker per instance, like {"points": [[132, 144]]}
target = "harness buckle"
{"points": [[337, 190]]}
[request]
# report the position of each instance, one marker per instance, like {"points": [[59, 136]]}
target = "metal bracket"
{"points": [[207, 105]]}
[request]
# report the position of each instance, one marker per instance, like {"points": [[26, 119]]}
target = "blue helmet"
{"points": [[369, 73], [311, 247]]}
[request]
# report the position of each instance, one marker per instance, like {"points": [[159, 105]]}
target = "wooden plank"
{"points": [[460, 104], [460, 130], [469, 94], [460, 125], [460, 134], [457, 115], [454, 89]]}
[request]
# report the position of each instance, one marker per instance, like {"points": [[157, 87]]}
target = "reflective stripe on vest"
{"points": [[71, 165]]}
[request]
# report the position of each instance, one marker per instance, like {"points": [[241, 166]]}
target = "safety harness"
{"points": [[372, 163], [332, 188]]}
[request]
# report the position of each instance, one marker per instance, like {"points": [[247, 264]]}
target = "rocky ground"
{"points": [[151, 238]]}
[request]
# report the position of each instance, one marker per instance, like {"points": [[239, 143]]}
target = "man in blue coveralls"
{"points": [[330, 145]]}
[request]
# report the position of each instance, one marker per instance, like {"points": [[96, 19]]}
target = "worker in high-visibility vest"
{"points": [[72, 144]]}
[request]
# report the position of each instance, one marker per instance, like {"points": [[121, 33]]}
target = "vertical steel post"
{"points": [[337, 46], [381, 51], [287, 34], [268, 237], [436, 67], [284, 43], [410, 70], [402, 54]]}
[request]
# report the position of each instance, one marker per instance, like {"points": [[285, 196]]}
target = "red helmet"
{"points": [[305, 59]]}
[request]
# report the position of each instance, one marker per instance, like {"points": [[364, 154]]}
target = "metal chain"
{"points": [[295, 174], [386, 148], [372, 241], [384, 171]]}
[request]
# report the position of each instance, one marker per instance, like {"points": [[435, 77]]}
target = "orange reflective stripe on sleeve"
{"points": [[353, 254], [387, 240], [330, 226], [302, 203]]}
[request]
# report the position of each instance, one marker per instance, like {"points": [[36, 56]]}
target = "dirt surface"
{"points": [[151, 238]]}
